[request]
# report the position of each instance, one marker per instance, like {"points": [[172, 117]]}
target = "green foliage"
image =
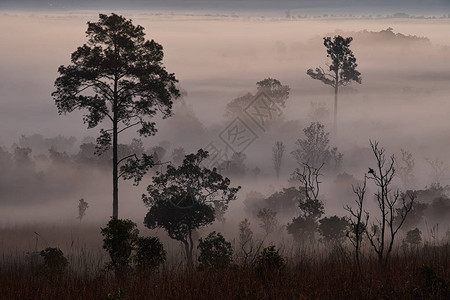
{"points": [[119, 240], [215, 252], [150, 253], [54, 261], [333, 229], [270, 260]]}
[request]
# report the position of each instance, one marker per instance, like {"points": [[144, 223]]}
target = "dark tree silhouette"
{"points": [[117, 76], [184, 199], [342, 69], [272, 87], [277, 155], [393, 206], [358, 219], [311, 208], [82, 206], [333, 229]]}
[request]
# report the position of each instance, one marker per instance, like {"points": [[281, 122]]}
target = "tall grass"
{"points": [[311, 272]]}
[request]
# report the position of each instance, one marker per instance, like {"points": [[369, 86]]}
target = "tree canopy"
{"points": [[118, 77], [341, 70], [185, 198]]}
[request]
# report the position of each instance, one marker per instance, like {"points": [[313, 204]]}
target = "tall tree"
{"points": [[277, 155], [315, 149], [118, 77], [342, 69], [186, 198], [393, 206]]}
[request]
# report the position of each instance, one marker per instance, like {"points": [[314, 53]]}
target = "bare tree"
{"points": [[248, 246], [278, 153], [358, 222], [405, 169], [381, 233], [305, 226]]}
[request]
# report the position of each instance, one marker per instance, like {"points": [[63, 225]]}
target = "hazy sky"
{"points": [[403, 100], [241, 6]]}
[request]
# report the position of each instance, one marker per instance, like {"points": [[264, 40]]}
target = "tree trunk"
{"points": [[336, 87], [115, 155], [115, 174], [187, 248]]}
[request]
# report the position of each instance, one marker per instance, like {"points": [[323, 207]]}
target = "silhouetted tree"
{"points": [[277, 155], [305, 226], [381, 233], [333, 229], [315, 149], [284, 202], [150, 254], [117, 76], [273, 88], [414, 237], [249, 248], [358, 219], [119, 240], [82, 206], [342, 69], [215, 252], [184, 198]]}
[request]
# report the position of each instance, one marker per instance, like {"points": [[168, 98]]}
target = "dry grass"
{"points": [[312, 272]]}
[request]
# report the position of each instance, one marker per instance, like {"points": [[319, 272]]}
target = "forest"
{"points": [[252, 162]]}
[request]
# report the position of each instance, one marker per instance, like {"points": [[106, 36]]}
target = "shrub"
{"points": [[120, 238], [150, 253], [215, 252], [54, 261], [270, 259]]}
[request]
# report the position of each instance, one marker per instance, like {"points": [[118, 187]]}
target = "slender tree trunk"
{"points": [[115, 157], [336, 90], [188, 252], [115, 174]]}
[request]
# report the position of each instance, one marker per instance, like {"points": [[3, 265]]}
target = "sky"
{"points": [[402, 101], [242, 6]]}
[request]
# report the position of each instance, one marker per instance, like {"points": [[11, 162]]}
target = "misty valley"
{"points": [[189, 155]]}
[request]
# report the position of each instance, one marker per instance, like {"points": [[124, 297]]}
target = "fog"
{"points": [[402, 102]]}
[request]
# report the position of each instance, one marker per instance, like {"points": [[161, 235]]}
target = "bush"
{"points": [[215, 252], [120, 238], [270, 259], [150, 253], [333, 229], [54, 261]]}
